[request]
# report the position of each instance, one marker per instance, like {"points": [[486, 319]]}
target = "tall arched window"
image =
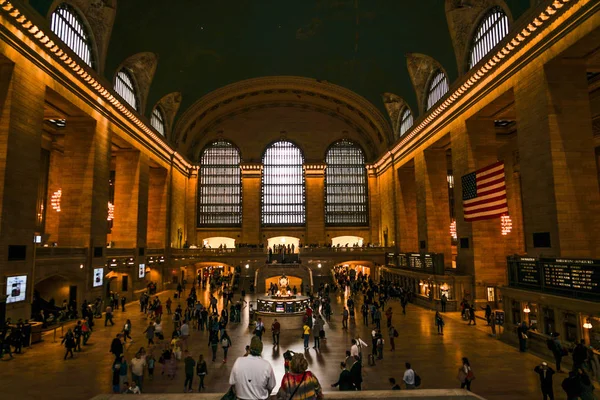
{"points": [[283, 191], [157, 120], [66, 23], [438, 87], [220, 186], [406, 121], [125, 88], [491, 30], [346, 200]]}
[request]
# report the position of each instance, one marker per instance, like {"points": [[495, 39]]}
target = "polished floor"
{"points": [[501, 371]]}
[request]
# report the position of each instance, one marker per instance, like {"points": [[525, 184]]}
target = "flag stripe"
{"points": [[483, 199], [486, 215], [484, 193]]}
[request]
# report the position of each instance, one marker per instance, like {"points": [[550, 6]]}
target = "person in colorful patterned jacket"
{"points": [[299, 383]]}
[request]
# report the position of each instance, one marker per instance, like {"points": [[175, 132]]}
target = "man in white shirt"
{"points": [[137, 369], [409, 377], [185, 334], [354, 349], [253, 377]]}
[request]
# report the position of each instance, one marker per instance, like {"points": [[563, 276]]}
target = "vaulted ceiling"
{"points": [[358, 44]]}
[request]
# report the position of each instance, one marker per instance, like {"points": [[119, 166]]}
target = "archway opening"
{"points": [[218, 242], [347, 241], [273, 284], [289, 242]]}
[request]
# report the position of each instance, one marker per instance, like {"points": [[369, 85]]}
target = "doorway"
{"points": [[125, 283], [73, 293]]}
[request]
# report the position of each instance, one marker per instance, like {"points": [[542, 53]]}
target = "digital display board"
{"points": [[16, 288], [98, 277]]}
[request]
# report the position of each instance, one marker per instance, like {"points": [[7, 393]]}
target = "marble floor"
{"points": [[501, 371]]}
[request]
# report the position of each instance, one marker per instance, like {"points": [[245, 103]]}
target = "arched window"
{"points": [[125, 88], [283, 191], [157, 120], [66, 23], [492, 29], [406, 121], [220, 186], [346, 201], [438, 87]]}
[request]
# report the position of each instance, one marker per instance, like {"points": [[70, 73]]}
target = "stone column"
{"points": [[131, 200], [251, 183], [480, 244], [406, 203], [315, 203], [558, 167], [433, 207], [21, 117], [157, 208], [191, 209]]}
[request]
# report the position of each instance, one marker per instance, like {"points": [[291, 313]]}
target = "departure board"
{"points": [[529, 272], [581, 275]]}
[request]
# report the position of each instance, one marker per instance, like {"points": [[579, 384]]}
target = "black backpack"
{"points": [[550, 344], [417, 380]]}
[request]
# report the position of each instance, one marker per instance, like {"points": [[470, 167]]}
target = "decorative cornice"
{"points": [[53, 47], [488, 65]]}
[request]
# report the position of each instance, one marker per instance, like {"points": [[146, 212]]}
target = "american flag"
{"points": [[484, 193]]}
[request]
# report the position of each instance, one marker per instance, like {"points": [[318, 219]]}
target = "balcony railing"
{"points": [[60, 252]]}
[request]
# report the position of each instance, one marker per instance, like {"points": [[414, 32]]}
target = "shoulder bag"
{"points": [[297, 387]]}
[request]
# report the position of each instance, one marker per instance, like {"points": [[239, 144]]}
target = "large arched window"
{"points": [[438, 87], [406, 121], [346, 201], [125, 88], [66, 23], [220, 186], [283, 191], [157, 120], [491, 30]]}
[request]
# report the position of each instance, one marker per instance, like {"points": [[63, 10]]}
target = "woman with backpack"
{"points": [[225, 343]]}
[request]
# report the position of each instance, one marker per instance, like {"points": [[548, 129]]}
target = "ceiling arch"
{"points": [[283, 91]]}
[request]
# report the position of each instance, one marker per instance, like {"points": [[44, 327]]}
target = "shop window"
{"points": [[549, 322], [595, 333], [570, 327], [533, 317], [516, 312], [491, 294]]}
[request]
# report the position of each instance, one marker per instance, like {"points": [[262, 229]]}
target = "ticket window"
{"points": [[445, 290], [570, 327], [533, 317], [516, 312], [549, 321], [594, 333], [491, 294]]}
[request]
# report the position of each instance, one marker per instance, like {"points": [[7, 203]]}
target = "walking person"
{"points": [[190, 363], [392, 333], [306, 335], [409, 377], [558, 351], [225, 344], [137, 365], [213, 342], [78, 333], [69, 342], [345, 315], [443, 302], [116, 346], [466, 375], [276, 330], [388, 316], [545, 373], [259, 329], [116, 377], [356, 373], [150, 333], [345, 380], [127, 331], [108, 316], [472, 315], [439, 322], [168, 303], [317, 329], [201, 371]]}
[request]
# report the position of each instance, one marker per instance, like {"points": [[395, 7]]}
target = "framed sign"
{"points": [[16, 288], [98, 277], [142, 270]]}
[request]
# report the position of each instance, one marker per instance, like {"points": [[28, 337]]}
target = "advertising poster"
{"points": [[98, 276], [16, 288], [142, 271]]}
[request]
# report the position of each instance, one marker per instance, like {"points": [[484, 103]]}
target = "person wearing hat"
{"points": [[252, 377], [545, 373]]}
